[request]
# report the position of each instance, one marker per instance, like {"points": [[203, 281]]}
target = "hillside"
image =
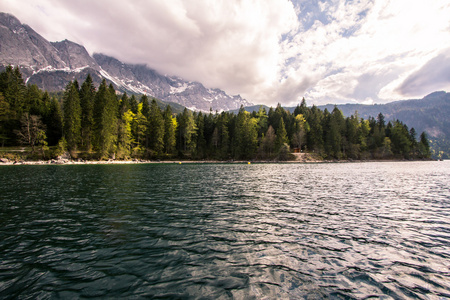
{"points": [[51, 65], [429, 114]]}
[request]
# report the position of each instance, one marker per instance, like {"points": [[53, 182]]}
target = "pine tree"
{"points": [[315, 134], [186, 132], [245, 139], [105, 121], [33, 100], [124, 104], [169, 131], [334, 134], [133, 104], [201, 141], [281, 135], [87, 96], [145, 106], [424, 146], [4, 115], [54, 122], [155, 127], [401, 143], [139, 131], [72, 117], [13, 88]]}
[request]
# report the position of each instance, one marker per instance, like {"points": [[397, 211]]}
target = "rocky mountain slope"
{"points": [[52, 65]]}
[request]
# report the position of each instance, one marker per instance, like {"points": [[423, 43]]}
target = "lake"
{"points": [[226, 231]]}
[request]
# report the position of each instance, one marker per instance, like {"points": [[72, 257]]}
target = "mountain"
{"points": [[51, 65], [429, 114], [140, 79]]}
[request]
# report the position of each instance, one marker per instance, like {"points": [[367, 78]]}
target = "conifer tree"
{"points": [[33, 101], [155, 127], [13, 88], [4, 115], [201, 141], [169, 131], [54, 123], [139, 130], [245, 140], [186, 132], [281, 135], [105, 121], [315, 134], [72, 116], [124, 104], [424, 146], [133, 104], [87, 96], [145, 106]]}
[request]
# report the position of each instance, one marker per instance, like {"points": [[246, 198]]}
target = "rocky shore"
{"points": [[67, 160]]}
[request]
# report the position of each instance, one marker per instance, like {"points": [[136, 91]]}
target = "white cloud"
{"points": [[386, 40], [268, 51]]}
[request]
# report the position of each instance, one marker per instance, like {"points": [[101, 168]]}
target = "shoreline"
{"points": [[4, 162]]}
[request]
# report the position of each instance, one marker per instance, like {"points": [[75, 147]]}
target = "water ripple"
{"points": [[260, 231]]}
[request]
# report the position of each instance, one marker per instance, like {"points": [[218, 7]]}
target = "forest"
{"points": [[101, 123]]}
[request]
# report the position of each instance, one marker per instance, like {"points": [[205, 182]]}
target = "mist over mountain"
{"points": [[51, 65]]}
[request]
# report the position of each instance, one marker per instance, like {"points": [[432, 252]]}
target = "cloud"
{"points": [[268, 51], [387, 43], [433, 75]]}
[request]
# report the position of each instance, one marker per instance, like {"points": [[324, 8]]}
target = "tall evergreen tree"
{"points": [[145, 106], [186, 132], [13, 88], [133, 104], [281, 135], [424, 146], [105, 121], [155, 127], [315, 134], [169, 131], [87, 96], [72, 116], [54, 123], [33, 101], [201, 141], [245, 140]]}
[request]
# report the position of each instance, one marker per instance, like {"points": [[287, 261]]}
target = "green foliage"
{"points": [[72, 116], [169, 131], [186, 133], [245, 136], [155, 128], [87, 96], [101, 125], [105, 121]]}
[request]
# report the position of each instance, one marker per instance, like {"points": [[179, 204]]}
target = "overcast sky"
{"points": [[268, 51]]}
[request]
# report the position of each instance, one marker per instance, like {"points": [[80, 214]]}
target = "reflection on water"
{"points": [[226, 231]]}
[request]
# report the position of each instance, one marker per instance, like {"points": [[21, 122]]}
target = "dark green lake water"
{"points": [[222, 231]]}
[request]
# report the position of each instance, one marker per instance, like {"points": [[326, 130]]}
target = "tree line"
{"points": [[100, 123]]}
